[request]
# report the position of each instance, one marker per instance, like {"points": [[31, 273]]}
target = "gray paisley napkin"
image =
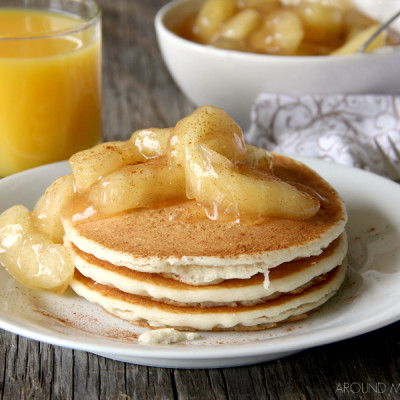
{"points": [[337, 128]]}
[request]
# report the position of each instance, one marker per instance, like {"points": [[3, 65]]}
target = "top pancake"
{"points": [[181, 233]]}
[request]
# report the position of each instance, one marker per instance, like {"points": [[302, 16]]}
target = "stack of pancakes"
{"points": [[174, 267]]}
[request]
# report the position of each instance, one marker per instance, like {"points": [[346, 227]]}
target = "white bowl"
{"points": [[232, 79]]}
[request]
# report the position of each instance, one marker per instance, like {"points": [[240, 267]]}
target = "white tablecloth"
{"points": [[338, 128]]}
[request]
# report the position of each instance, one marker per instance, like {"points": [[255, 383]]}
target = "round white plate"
{"points": [[369, 299]]}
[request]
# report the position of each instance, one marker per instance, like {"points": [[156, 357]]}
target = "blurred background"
{"points": [[130, 52]]}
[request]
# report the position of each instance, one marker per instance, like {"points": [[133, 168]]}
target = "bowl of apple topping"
{"points": [[226, 52]]}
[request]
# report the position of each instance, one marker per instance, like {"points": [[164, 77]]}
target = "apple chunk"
{"points": [[358, 39], [151, 184], [258, 157], [210, 126], [46, 212], [244, 191], [151, 143], [30, 256], [88, 166]]}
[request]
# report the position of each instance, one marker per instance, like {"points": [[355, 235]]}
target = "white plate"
{"points": [[370, 298]]}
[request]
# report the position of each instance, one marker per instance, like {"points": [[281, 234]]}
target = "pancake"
{"points": [[287, 277], [180, 241], [175, 267], [146, 311]]}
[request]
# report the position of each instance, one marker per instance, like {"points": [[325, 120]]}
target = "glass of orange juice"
{"points": [[50, 81]]}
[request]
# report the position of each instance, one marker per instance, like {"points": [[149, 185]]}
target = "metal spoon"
{"points": [[381, 28]]}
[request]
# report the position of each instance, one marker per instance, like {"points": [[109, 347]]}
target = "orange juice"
{"points": [[50, 87]]}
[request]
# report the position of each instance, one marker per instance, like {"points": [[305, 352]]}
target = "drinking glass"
{"points": [[50, 81]]}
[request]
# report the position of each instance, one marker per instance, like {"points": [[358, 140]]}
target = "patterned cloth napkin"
{"points": [[338, 128]]}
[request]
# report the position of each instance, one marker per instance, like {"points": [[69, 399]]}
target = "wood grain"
{"points": [[138, 90], [31, 370], [139, 93]]}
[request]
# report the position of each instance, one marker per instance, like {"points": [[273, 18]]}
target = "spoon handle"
{"points": [[378, 31]]}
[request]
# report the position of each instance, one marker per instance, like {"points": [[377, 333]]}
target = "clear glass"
{"points": [[50, 81]]}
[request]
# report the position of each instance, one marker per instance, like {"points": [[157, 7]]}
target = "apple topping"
{"points": [[30, 256]]}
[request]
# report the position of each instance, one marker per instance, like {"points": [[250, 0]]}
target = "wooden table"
{"points": [[138, 93]]}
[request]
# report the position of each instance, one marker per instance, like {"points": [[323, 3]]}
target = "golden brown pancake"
{"points": [[174, 267], [184, 230], [175, 239], [286, 277], [149, 312]]}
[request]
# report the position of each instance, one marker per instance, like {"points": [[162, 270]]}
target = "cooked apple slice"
{"points": [[151, 143], [322, 23], [258, 157], [150, 184], [211, 126], [88, 166], [358, 39], [14, 222], [281, 32], [244, 191], [31, 257], [46, 212], [210, 17], [263, 4], [239, 26]]}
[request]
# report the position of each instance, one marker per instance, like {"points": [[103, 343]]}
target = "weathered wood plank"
{"points": [[137, 381], [112, 379], [138, 91], [63, 373], [3, 359], [245, 383], [33, 370], [160, 383], [191, 383], [86, 380]]}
